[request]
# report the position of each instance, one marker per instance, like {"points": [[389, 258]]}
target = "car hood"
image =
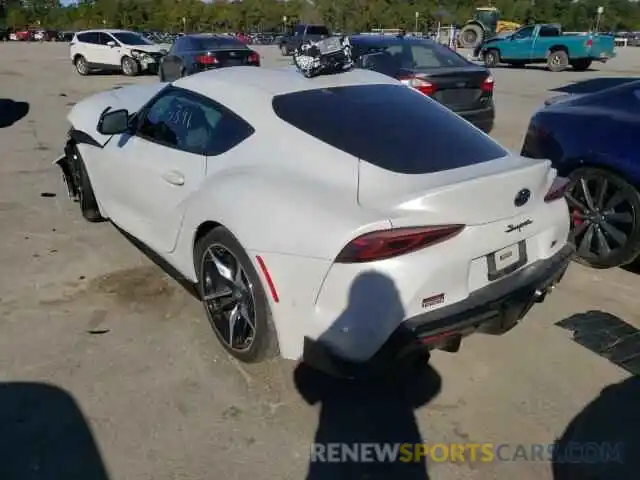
{"points": [[85, 114], [156, 48]]}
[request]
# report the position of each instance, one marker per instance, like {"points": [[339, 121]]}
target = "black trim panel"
{"points": [[78, 136]]}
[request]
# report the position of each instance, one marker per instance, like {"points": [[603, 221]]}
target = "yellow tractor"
{"points": [[485, 24]]}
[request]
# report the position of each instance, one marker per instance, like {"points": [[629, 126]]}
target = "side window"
{"points": [[178, 46], [523, 33], [549, 32], [105, 38], [90, 37], [194, 124]]}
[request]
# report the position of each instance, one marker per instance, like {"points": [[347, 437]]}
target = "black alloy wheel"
{"points": [[605, 218]]}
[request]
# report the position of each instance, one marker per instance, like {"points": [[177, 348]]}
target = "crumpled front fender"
{"points": [[66, 165]]}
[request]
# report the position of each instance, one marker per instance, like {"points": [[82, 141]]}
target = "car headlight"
{"points": [[139, 55]]}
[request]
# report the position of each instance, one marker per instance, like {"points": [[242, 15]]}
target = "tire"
{"points": [[491, 58], [153, 69], [161, 74], [606, 221], [87, 198], [558, 61], [581, 64], [129, 66], [264, 343], [82, 66], [471, 36]]}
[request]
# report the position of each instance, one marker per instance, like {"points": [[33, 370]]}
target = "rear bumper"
{"points": [[494, 309], [483, 119]]}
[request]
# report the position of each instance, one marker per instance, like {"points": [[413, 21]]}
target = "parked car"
{"points": [[115, 50], [432, 69], [292, 40], [334, 211], [592, 139], [191, 54], [545, 43]]}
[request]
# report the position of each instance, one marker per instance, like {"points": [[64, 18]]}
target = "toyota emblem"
{"points": [[522, 197]]}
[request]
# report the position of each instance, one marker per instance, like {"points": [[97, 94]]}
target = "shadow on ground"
{"points": [[44, 436], [603, 440], [12, 112], [608, 336], [375, 411], [593, 85]]}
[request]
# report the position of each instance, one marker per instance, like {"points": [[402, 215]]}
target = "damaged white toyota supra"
{"points": [[344, 219]]}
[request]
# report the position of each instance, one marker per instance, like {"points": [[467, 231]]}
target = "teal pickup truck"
{"points": [[545, 43]]}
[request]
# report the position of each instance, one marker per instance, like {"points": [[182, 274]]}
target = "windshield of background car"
{"points": [[130, 38], [419, 56], [391, 126], [217, 43], [317, 30]]}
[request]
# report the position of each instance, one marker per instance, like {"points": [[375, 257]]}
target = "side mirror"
{"points": [[111, 43], [113, 122]]}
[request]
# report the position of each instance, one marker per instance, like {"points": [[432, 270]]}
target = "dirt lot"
{"points": [[85, 312]]}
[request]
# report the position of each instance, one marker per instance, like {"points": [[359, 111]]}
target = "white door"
{"points": [[149, 175], [110, 55]]}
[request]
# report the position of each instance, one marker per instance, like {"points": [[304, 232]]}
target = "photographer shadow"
{"points": [[44, 436], [374, 412], [603, 441]]}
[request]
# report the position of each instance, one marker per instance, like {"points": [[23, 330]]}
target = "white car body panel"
{"points": [[296, 202]]}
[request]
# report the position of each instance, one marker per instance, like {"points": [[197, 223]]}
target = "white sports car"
{"points": [[344, 219]]}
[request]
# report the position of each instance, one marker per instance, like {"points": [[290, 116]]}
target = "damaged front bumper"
{"points": [[67, 164]]}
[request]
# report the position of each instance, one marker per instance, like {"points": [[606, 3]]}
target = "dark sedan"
{"points": [[593, 140], [432, 69], [196, 53]]}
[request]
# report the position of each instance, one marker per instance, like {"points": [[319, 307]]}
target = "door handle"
{"points": [[173, 177]]}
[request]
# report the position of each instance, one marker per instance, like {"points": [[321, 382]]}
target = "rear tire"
{"points": [[82, 66], [581, 64], [491, 58], [616, 205], [247, 294], [558, 61]]}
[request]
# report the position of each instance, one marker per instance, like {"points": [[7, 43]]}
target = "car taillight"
{"points": [[254, 59], [208, 59], [487, 85], [588, 43], [420, 84], [557, 190], [385, 244]]}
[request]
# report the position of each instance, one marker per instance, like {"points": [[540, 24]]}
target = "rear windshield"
{"points": [[218, 43], [317, 30], [418, 56], [391, 126]]}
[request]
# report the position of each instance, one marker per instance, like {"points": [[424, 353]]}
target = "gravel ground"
{"points": [[139, 385]]}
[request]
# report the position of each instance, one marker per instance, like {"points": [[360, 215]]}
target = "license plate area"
{"points": [[507, 260]]}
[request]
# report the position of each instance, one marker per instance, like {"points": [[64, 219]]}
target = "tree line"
{"points": [[340, 15]]}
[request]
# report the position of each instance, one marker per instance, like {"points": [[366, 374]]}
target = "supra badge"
{"points": [[518, 226]]}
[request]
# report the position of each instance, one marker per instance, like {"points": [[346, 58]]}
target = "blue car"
{"points": [[593, 140]]}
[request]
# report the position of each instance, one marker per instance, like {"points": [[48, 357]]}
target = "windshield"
{"points": [[130, 38], [317, 30]]}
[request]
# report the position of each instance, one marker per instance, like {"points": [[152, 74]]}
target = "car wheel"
{"points": [[233, 297], [129, 67], [581, 65], [161, 74], [86, 197], [491, 58], [82, 66], [605, 218], [558, 61]]}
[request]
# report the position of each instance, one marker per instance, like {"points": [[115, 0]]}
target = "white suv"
{"points": [[120, 50]]}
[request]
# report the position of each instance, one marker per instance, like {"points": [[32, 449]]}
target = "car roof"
{"points": [[275, 81], [249, 91], [388, 40], [105, 30]]}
